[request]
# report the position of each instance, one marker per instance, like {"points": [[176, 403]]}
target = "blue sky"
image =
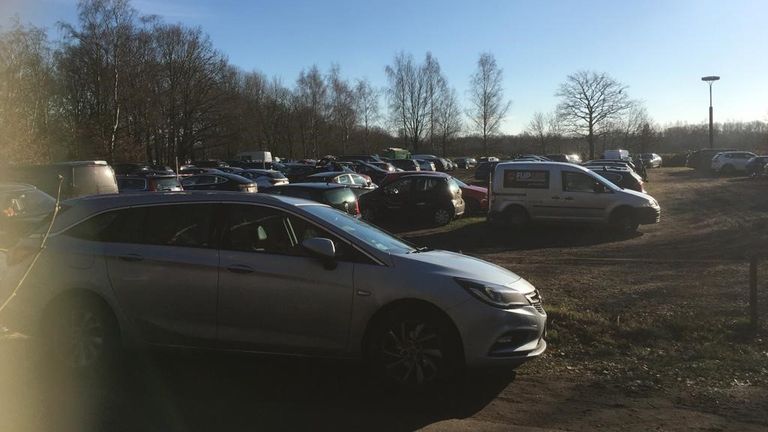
{"points": [[660, 49]]}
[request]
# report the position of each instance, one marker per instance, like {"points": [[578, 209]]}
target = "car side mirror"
{"points": [[322, 249]]}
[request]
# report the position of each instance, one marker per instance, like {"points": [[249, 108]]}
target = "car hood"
{"points": [[453, 264], [640, 196]]}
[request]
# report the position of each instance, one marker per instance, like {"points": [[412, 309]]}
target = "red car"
{"points": [[475, 197]]}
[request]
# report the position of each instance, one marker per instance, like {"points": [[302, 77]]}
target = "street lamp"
{"points": [[709, 80]]}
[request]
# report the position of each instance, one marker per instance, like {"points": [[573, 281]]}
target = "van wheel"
{"points": [[81, 335], [624, 222], [415, 347], [442, 216], [515, 216]]}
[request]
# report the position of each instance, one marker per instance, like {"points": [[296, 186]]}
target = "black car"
{"points": [[364, 158], [623, 178], [149, 183], [375, 173], [337, 196], [484, 169], [436, 198], [406, 164], [209, 163], [132, 169], [219, 181], [465, 162], [296, 171]]}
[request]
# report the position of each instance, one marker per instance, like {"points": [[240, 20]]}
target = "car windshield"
{"points": [[360, 230]]}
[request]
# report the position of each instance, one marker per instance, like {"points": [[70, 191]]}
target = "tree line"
{"points": [[122, 86]]}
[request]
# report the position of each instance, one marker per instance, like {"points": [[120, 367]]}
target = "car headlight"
{"points": [[499, 296]]}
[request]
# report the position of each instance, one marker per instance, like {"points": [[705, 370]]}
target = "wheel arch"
{"points": [[406, 303]]}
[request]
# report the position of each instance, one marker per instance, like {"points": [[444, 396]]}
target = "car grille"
{"points": [[535, 299]]}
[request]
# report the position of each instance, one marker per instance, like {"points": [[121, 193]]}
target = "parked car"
{"points": [[731, 162], [364, 158], [610, 163], [475, 197], [483, 170], [562, 157], [22, 208], [375, 173], [264, 178], [756, 165], [132, 169], [360, 183], [465, 162], [266, 274], [231, 169], [79, 178], [558, 192], [425, 165], [386, 166], [621, 177], [487, 159], [406, 164], [651, 160], [163, 169], [296, 172], [618, 154], [219, 181], [432, 196], [701, 160], [149, 183], [338, 196], [211, 163]]}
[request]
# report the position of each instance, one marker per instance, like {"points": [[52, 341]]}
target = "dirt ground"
{"points": [[647, 332]]}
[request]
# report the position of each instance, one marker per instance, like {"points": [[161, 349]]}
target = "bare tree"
{"points": [[588, 101], [367, 106], [312, 94], [488, 107], [538, 128], [342, 107], [407, 97], [447, 117]]}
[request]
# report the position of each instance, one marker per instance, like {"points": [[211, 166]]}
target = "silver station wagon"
{"points": [[264, 274]]}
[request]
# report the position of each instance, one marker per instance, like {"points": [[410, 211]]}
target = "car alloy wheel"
{"points": [[411, 353], [442, 216]]}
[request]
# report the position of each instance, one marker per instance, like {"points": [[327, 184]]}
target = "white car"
{"points": [[730, 162]]}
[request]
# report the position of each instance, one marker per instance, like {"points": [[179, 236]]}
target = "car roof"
{"points": [[538, 164], [329, 174], [318, 186], [230, 176]]}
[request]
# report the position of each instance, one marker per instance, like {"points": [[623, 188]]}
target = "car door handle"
{"points": [[241, 269], [568, 198], [555, 197], [131, 257]]}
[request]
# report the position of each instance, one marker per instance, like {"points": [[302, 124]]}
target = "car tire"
{"points": [[515, 217], [414, 346], [442, 216], [81, 335], [624, 222]]}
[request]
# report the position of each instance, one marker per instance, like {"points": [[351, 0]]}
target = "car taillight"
{"points": [[357, 207], [251, 188]]}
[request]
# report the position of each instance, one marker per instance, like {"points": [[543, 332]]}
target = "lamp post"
{"points": [[709, 80]]}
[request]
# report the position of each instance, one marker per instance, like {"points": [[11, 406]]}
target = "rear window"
{"points": [[167, 183], [526, 179], [90, 180], [131, 184], [339, 196]]}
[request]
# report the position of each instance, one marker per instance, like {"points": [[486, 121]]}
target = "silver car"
{"points": [[265, 274]]}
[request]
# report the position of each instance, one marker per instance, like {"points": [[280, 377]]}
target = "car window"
{"points": [[578, 182], [424, 184], [131, 184], [252, 228], [358, 180], [186, 225], [219, 179], [117, 226], [166, 183], [399, 187], [526, 179], [343, 179], [339, 196]]}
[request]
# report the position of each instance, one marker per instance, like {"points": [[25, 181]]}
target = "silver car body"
{"points": [[213, 297], [541, 188]]}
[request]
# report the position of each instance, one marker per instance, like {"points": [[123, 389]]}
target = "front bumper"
{"points": [[647, 215], [500, 337]]}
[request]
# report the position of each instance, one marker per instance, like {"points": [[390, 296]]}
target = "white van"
{"points": [[561, 192]]}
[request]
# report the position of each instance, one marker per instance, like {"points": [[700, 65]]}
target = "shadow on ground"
{"points": [[478, 236], [172, 391]]}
